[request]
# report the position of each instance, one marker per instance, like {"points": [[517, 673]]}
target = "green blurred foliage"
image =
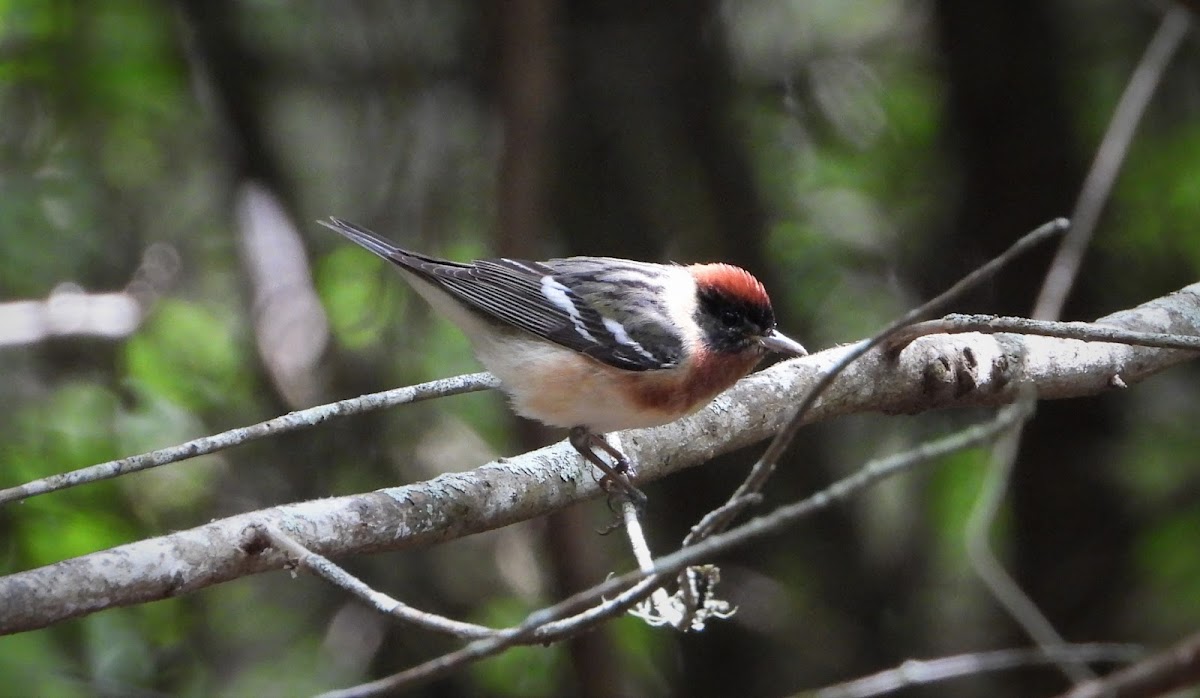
{"points": [[1171, 572], [1158, 202], [189, 355], [359, 295], [953, 490], [523, 671]]}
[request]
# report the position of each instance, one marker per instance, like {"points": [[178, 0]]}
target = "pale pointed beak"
{"points": [[774, 341]]}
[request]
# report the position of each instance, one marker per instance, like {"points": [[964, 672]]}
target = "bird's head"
{"points": [[734, 313]]}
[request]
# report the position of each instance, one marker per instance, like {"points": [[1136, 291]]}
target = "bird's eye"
{"points": [[730, 318]]}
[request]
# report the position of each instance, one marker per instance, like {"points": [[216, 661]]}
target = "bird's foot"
{"points": [[618, 477], [621, 490]]}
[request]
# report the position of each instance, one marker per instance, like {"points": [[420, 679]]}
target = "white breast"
{"points": [[562, 388]]}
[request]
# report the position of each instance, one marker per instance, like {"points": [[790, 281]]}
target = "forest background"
{"points": [[168, 158]]}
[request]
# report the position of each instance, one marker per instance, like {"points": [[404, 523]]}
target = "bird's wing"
{"points": [[567, 302], [575, 303]]}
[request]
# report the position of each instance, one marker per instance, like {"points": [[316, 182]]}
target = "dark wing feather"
{"points": [[560, 301], [534, 297]]}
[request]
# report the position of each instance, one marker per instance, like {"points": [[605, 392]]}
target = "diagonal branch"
{"points": [[1060, 277], [292, 421], [922, 672], [1086, 331], [1110, 156], [643, 581], [1170, 670], [933, 372], [765, 466]]}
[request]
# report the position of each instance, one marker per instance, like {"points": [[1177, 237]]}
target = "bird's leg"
{"points": [[619, 473], [621, 462]]}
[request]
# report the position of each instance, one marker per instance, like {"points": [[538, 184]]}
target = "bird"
{"points": [[598, 344]]}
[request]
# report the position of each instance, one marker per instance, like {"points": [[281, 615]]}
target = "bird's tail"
{"points": [[363, 237]]}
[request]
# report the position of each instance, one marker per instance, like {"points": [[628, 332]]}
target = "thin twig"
{"points": [[660, 600], [1083, 331], [519, 488], [710, 521], [637, 538], [1169, 670], [539, 625], [921, 672], [1107, 163], [334, 574], [765, 465], [235, 437], [637, 585], [1094, 193], [983, 559], [641, 551], [687, 608]]}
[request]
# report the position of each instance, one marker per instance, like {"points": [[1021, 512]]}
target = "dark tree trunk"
{"points": [[1011, 132]]}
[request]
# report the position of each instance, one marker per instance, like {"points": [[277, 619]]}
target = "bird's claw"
{"points": [[619, 493], [623, 466], [618, 477], [620, 490]]}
